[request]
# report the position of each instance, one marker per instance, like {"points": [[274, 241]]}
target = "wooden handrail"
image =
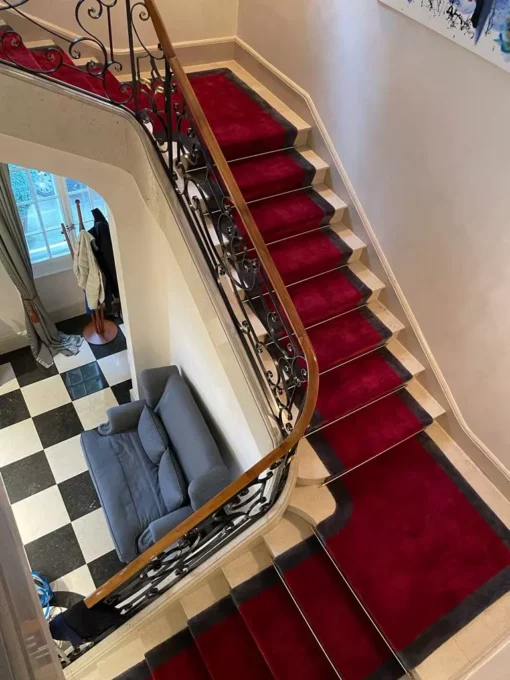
{"points": [[266, 260]]}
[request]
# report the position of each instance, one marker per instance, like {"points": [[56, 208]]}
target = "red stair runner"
{"points": [[420, 548], [367, 433], [346, 337], [328, 295], [357, 384], [178, 657], [289, 214], [280, 631], [272, 174], [309, 255], [350, 640], [220, 634], [244, 124]]}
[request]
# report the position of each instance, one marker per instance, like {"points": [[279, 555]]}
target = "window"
{"points": [[45, 202]]}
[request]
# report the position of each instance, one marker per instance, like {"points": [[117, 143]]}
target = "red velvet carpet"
{"points": [[357, 384], [220, 634], [346, 634], [177, 658], [243, 123], [281, 633], [272, 174], [420, 548]]}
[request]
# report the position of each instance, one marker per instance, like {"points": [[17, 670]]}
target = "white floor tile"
{"points": [[93, 535], [116, 368], [45, 395], [18, 441], [78, 581], [92, 409], [66, 459], [84, 356], [40, 514], [8, 380]]}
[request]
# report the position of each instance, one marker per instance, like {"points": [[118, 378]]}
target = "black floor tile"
{"points": [[26, 368], [117, 345], [79, 495], [121, 391], [75, 325], [85, 380], [58, 425], [13, 408], [105, 567], [55, 554], [27, 476]]}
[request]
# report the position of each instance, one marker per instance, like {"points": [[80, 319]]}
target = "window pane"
{"points": [[74, 185], [19, 183], [37, 247], [83, 197], [57, 243], [43, 183], [29, 218], [51, 213], [99, 202]]}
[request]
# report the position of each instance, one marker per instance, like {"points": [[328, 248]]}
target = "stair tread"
{"points": [[310, 254], [347, 337], [177, 657], [329, 295], [287, 215], [220, 633], [346, 633], [244, 124], [273, 173], [358, 383], [413, 518], [279, 630], [365, 434]]}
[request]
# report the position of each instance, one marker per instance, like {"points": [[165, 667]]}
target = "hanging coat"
{"points": [[87, 271], [104, 255]]}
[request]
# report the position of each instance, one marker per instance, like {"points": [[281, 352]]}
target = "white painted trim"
{"points": [[205, 41], [413, 322], [71, 35]]}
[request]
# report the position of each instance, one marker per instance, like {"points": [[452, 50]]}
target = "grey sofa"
{"points": [[154, 463]]}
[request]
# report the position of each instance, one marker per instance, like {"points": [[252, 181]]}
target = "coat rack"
{"points": [[99, 331]]}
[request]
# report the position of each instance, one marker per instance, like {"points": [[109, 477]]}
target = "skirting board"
{"points": [[499, 474]]}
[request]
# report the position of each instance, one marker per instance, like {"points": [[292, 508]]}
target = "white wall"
{"points": [[185, 21], [421, 126], [169, 315]]}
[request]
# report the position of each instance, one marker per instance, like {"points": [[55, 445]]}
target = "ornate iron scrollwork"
{"points": [[154, 98]]}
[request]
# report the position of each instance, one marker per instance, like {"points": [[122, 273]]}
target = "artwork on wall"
{"points": [[483, 26]]}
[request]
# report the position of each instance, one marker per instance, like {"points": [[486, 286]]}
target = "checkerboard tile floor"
{"points": [[42, 413]]}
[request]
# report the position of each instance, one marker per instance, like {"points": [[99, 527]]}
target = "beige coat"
{"points": [[87, 272]]}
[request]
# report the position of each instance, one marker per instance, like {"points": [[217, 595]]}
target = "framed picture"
{"points": [[483, 26]]}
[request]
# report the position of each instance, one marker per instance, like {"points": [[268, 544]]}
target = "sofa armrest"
{"points": [[206, 486], [160, 527], [122, 418]]}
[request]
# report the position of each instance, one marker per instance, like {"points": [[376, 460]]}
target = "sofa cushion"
{"points": [[190, 438], [127, 485], [152, 435], [173, 487]]}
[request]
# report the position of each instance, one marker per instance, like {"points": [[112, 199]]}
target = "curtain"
{"points": [[44, 338]]}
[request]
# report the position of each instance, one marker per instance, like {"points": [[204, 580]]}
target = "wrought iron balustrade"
{"points": [[148, 82]]}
